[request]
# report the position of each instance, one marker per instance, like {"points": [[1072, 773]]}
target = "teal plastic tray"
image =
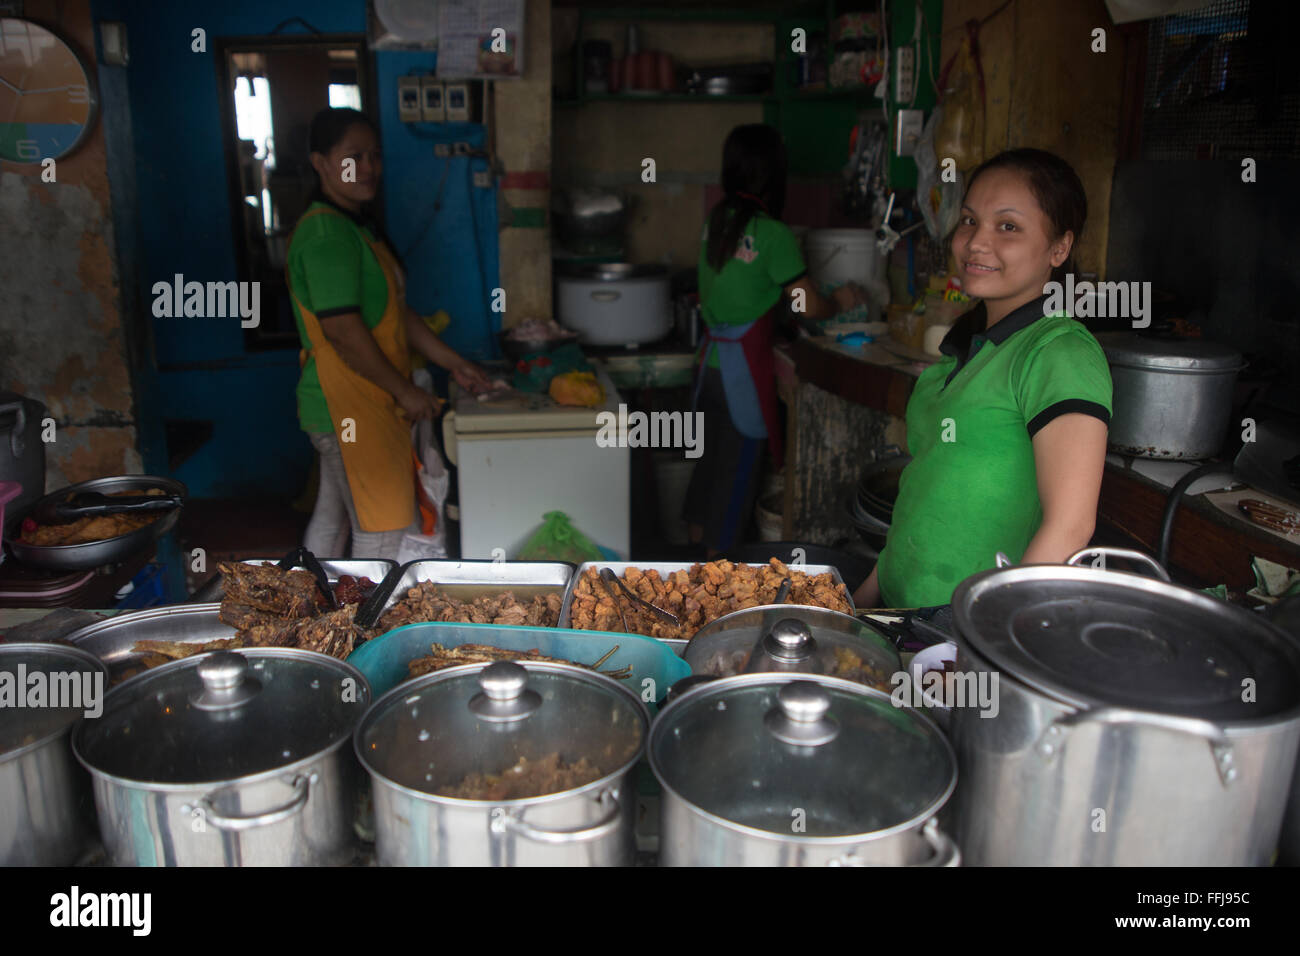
{"points": [[655, 667]]}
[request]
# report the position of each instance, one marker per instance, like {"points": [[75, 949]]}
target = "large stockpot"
{"points": [[228, 759], [793, 770], [46, 812], [1172, 397], [22, 453], [432, 733], [1139, 723], [787, 638]]}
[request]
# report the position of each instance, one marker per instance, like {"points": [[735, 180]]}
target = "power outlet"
{"points": [[442, 150], [408, 99], [483, 178], [904, 74], [908, 126]]}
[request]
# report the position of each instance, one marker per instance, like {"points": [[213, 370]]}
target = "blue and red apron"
{"points": [[748, 377]]}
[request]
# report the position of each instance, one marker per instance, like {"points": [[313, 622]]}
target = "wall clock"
{"points": [[47, 94]]}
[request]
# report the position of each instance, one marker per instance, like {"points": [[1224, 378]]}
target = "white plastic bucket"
{"points": [[842, 255]]}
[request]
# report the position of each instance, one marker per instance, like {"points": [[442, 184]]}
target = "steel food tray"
{"points": [[111, 640], [667, 567], [505, 574]]}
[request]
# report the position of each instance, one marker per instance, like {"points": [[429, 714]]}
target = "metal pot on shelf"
{"points": [[1172, 397], [433, 733], [1139, 722], [228, 759], [46, 811], [796, 770]]}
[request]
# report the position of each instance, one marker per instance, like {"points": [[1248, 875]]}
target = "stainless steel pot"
{"points": [[228, 759], [22, 453], [1172, 398], [785, 638], [1138, 722], [432, 733], [46, 813], [791, 770]]}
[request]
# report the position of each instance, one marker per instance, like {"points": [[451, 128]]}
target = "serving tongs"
{"points": [[368, 613], [611, 579], [93, 504]]}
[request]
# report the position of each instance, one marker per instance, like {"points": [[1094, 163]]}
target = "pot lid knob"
{"points": [[789, 640], [801, 716], [505, 694], [226, 680]]}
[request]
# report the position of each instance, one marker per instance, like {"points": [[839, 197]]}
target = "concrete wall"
{"points": [[1045, 88], [61, 335], [603, 143]]}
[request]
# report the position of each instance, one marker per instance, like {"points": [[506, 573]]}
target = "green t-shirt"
{"points": [[971, 488], [332, 272], [766, 260]]}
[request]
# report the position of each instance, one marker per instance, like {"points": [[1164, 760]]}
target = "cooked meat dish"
{"points": [[443, 657], [334, 633], [290, 594], [157, 653], [527, 778], [425, 602], [85, 530], [697, 596]]}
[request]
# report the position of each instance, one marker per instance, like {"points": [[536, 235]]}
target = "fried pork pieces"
{"points": [[443, 657], [425, 602], [697, 596]]}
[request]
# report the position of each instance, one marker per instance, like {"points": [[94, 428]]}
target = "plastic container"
{"points": [[842, 255], [384, 660]]}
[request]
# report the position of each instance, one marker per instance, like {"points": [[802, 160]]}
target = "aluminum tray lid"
{"points": [[1090, 637], [768, 751], [433, 732], [223, 716], [44, 690], [1171, 355]]}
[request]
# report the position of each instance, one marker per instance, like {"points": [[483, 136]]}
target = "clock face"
{"points": [[47, 99]]}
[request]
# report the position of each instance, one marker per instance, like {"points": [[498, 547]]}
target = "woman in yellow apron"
{"points": [[356, 400]]}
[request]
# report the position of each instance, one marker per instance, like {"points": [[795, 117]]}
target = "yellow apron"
{"points": [[377, 446]]}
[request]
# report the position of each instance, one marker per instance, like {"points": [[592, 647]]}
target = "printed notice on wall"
{"points": [[480, 38]]}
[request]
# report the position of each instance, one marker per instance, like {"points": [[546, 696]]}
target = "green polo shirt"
{"points": [[766, 260], [332, 272], [971, 488]]}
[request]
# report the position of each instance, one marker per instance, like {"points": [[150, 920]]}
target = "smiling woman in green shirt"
{"points": [[1007, 431]]}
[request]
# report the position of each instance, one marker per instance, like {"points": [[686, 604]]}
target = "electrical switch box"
{"points": [[408, 98], [433, 108]]}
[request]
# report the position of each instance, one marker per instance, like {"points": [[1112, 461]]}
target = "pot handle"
{"points": [[1127, 554], [1220, 746], [505, 821], [16, 443], [606, 295], [944, 849], [302, 789]]}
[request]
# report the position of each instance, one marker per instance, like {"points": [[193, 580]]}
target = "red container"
{"points": [[616, 69], [667, 76], [645, 73]]}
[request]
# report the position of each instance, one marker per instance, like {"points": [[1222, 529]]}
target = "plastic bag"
{"points": [[432, 481], [940, 201], [960, 133], [558, 540]]}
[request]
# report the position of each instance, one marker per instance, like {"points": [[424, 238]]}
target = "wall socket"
{"points": [[432, 107], [904, 74], [908, 126]]}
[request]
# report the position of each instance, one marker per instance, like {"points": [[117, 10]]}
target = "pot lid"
{"points": [[217, 717], [1136, 351], [1091, 637], [611, 271], [44, 690], [802, 757], [459, 730], [792, 638]]}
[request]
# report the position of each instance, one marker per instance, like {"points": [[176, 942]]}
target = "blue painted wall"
{"points": [[181, 224]]}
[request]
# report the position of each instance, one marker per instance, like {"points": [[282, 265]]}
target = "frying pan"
{"points": [[93, 554]]}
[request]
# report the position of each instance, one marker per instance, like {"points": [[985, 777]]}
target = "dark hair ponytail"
{"points": [[753, 179], [1057, 188]]}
